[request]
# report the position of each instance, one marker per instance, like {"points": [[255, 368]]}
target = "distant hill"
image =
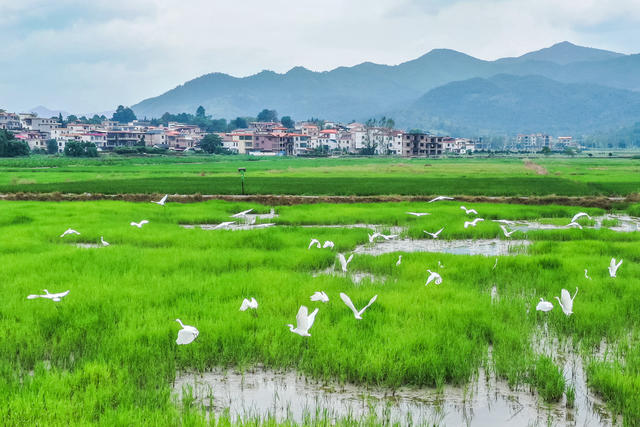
{"points": [[565, 53], [512, 104], [47, 113]]}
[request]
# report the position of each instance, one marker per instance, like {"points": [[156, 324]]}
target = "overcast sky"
{"points": [[88, 56]]}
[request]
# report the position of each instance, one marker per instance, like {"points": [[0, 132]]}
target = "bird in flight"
{"points": [[53, 297], [434, 235], [506, 232], [358, 314], [162, 201], [69, 231], [344, 262], [418, 213], [139, 224], [473, 223], [469, 211], [223, 225], [566, 301], [252, 303], [304, 321], [574, 224], [440, 198], [241, 214], [579, 215], [433, 277], [187, 334], [315, 242], [320, 296], [328, 244], [613, 267]]}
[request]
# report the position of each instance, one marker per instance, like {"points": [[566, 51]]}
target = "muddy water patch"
{"points": [[486, 247], [232, 227]]}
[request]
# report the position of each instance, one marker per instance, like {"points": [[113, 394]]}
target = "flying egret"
{"points": [[469, 211], [187, 334], [223, 225], [613, 267], [574, 224], [315, 242], [53, 297], [320, 296], [373, 236], [473, 223], [328, 244], [399, 260], [162, 201], [433, 277], [586, 276], [387, 236], [104, 242], [69, 231], [304, 321], [139, 224], [418, 213], [544, 306], [440, 198], [507, 233], [241, 214], [252, 303], [579, 215], [434, 235], [358, 314], [566, 302], [344, 262]]}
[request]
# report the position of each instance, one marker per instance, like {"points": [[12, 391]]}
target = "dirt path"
{"points": [[540, 170]]}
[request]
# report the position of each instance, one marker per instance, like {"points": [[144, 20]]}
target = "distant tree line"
{"points": [[12, 147]]}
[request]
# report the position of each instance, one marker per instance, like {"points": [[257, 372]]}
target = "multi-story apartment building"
{"points": [[421, 145], [10, 121]]}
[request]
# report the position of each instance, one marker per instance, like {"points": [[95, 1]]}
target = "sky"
{"points": [[90, 56]]}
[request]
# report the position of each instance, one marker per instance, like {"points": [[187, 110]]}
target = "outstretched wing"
{"points": [[302, 318], [565, 297], [345, 298], [371, 301], [343, 262], [185, 336], [311, 318], [33, 296], [244, 305]]}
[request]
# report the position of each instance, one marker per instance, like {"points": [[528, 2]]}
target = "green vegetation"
{"points": [[12, 147], [80, 149], [106, 354]]}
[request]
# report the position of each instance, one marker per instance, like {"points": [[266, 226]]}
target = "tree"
{"points": [[268, 116], [200, 113], [287, 122], [124, 115], [12, 147], [238, 123], [546, 150], [212, 144], [80, 149], [72, 118], [52, 146]]}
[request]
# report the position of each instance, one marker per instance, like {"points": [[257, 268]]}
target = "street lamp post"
{"points": [[242, 171]]}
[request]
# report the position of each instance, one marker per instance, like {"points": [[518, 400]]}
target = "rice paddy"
{"points": [[106, 353]]}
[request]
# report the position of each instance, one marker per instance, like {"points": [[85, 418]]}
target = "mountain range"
{"points": [[563, 88]]}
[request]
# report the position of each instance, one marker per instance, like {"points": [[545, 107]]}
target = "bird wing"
{"points": [[313, 242], [244, 305], [164, 199], [578, 215], [439, 231], [468, 223], [618, 264], [566, 298], [343, 262], [345, 298], [185, 336], [254, 303], [302, 317], [612, 264], [351, 257], [438, 278], [33, 296], [325, 297], [316, 296], [371, 301], [311, 318], [473, 211]]}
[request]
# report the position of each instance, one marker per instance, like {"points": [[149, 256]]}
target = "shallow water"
{"points": [[487, 247], [89, 245], [233, 227], [626, 224]]}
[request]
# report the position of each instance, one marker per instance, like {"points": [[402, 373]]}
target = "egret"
{"points": [[544, 306], [507, 233], [69, 231], [574, 224], [53, 297], [104, 242], [579, 215], [373, 236], [495, 265], [344, 262], [566, 302], [187, 334], [241, 214], [252, 303], [440, 198], [473, 223], [433, 277], [358, 314], [469, 211], [434, 235], [223, 225], [613, 267], [586, 276], [315, 242], [399, 260], [320, 296], [304, 321], [162, 201], [328, 244], [139, 224], [387, 236], [418, 213]]}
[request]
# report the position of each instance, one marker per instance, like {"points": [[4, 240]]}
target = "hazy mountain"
{"points": [[513, 104], [42, 111], [565, 53]]}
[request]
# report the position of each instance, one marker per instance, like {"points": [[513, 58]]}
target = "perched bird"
{"points": [[586, 276], [440, 198], [139, 224], [579, 215], [566, 302], [320, 296], [69, 231], [433, 277], [304, 321], [574, 224], [399, 260], [249, 304], [418, 213], [53, 297], [613, 267], [104, 242], [344, 262], [469, 211], [507, 233], [434, 235], [328, 244], [315, 242], [162, 201], [223, 225], [187, 334], [241, 214], [473, 223], [544, 306], [358, 314]]}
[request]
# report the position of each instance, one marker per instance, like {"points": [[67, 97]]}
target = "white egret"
{"points": [[187, 334], [304, 321], [241, 214], [223, 225], [574, 224], [434, 235], [579, 215], [384, 236], [433, 277], [69, 231], [613, 267], [104, 242], [358, 314], [320, 296], [162, 201], [586, 276], [315, 242], [373, 236], [566, 302], [344, 262], [506, 232], [469, 211], [440, 198], [252, 303], [139, 224], [399, 260], [53, 297], [473, 223], [544, 306], [328, 244], [418, 213]]}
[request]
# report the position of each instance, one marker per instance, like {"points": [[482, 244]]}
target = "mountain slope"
{"points": [[565, 53]]}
